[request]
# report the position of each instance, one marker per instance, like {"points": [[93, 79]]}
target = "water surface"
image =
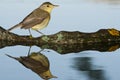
{"points": [[78, 15]]}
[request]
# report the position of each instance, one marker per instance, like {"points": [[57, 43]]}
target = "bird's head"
{"points": [[47, 75], [47, 6]]}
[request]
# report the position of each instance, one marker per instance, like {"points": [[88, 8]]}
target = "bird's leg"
{"points": [[40, 51], [30, 33], [40, 32], [29, 50]]}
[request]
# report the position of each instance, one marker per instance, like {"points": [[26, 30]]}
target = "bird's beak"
{"points": [[54, 76], [56, 5]]}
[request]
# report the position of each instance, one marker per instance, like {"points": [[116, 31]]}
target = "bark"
{"points": [[64, 41]]}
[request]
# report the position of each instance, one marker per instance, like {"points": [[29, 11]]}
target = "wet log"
{"points": [[66, 42], [64, 37]]}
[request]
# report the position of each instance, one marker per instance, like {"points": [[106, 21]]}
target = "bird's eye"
{"points": [[47, 5]]}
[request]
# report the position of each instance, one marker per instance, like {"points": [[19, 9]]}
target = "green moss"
{"points": [[45, 46], [45, 38], [59, 37], [59, 49]]}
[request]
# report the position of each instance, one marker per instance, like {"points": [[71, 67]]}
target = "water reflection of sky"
{"points": [[71, 16]]}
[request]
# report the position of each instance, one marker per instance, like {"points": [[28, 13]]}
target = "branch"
{"points": [[66, 42]]}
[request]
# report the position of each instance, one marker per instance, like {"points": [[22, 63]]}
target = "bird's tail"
{"points": [[12, 57], [18, 25]]}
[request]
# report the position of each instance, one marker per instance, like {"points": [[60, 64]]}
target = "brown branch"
{"points": [[66, 42]]}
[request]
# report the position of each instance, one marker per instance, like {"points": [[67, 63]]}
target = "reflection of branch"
{"points": [[68, 48], [66, 42], [64, 49]]}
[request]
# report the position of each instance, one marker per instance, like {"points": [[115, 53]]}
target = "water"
{"points": [[78, 15]]}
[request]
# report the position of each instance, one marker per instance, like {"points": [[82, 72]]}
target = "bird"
{"points": [[37, 19], [38, 63]]}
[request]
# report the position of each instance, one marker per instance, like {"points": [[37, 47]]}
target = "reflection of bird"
{"points": [[38, 63], [38, 19]]}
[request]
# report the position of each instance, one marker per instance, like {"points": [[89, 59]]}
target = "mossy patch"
{"points": [[59, 37], [45, 38], [114, 32], [113, 48]]}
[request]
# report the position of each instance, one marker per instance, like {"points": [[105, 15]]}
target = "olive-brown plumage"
{"points": [[38, 19], [38, 63]]}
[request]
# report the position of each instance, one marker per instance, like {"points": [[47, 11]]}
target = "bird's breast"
{"points": [[41, 25]]}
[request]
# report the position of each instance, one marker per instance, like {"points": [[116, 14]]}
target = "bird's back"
{"points": [[37, 13], [34, 18]]}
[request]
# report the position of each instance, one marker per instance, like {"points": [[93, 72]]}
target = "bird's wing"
{"points": [[32, 23], [33, 64], [36, 17]]}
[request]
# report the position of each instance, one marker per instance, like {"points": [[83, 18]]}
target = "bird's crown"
{"points": [[47, 3]]}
